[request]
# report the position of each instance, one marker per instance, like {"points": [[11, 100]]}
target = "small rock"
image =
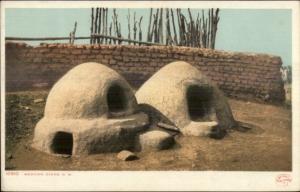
{"points": [[27, 147], [27, 108], [235, 160], [40, 85], [24, 107], [199, 128], [193, 165], [127, 155], [18, 137], [156, 140], [66, 156], [38, 100], [266, 97], [9, 156]]}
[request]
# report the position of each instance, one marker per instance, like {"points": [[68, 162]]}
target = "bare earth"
{"points": [[265, 148]]}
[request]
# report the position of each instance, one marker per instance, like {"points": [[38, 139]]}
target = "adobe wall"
{"points": [[240, 75]]}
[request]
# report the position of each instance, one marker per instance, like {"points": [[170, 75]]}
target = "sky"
{"points": [[246, 30]]}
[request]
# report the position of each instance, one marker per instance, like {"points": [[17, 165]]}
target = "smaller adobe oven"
{"points": [[187, 99]]}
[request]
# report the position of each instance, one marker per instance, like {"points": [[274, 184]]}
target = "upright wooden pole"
{"points": [[72, 34], [200, 33], [192, 29], [179, 26], [105, 25], [156, 34], [134, 27], [168, 30], [209, 29], [92, 26], [204, 30], [153, 29], [140, 30], [216, 20], [129, 29], [161, 32], [149, 26], [110, 33], [183, 27], [174, 28], [99, 24], [96, 24], [120, 33]]}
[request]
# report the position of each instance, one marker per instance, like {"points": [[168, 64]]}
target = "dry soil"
{"points": [[267, 147]]}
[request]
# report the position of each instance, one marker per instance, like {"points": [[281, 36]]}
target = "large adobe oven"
{"points": [[183, 95], [90, 109]]}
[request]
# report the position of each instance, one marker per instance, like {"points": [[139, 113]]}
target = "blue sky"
{"points": [[246, 30]]}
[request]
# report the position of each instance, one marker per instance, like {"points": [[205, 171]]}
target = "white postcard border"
{"points": [[159, 180]]}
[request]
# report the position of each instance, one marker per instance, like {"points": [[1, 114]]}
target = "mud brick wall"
{"points": [[240, 75]]}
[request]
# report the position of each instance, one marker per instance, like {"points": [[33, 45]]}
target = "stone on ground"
{"points": [[9, 156], [156, 140], [40, 85], [199, 128], [38, 100], [127, 155]]}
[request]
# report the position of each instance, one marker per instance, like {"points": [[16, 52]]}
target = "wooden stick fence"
{"points": [[193, 33], [163, 29]]}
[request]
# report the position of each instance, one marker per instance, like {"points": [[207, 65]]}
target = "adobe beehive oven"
{"points": [[91, 109], [186, 98]]}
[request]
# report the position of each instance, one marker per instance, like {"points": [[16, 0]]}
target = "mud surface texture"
{"points": [[267, 147]]}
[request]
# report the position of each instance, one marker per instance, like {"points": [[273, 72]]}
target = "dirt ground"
{"points": [[264, 148]]}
